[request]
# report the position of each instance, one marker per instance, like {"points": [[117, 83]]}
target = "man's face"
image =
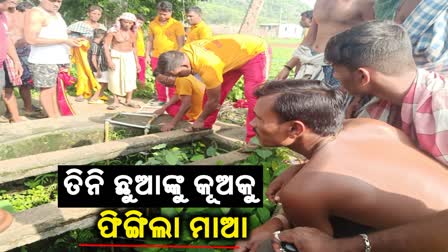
{"points": [[271, 132], [305, 22], [193, 18], [166, 80], [95, 15], [140, 23], [126, 25], [4, 6], [12, 4], [350, 80], [164, 15], [52, 6]]}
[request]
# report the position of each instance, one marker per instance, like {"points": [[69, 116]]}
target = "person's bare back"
{"points": [[371, 174], [334, 16]]}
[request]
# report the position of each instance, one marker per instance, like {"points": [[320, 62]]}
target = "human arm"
{"points": [[134, 46], [172, 101], [149, 48], [259, 234], [277, 184], [180, 35], [213, 98], [427, 234], [32, 28], [184, 107], [15, 58], [107, 46]]}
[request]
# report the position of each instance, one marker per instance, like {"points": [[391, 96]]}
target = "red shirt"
{"points": [[3, 38]]}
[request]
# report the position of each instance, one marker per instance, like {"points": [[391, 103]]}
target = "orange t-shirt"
{"points": [[193, 87], [165, 36], [212, 58], [199, 31]]}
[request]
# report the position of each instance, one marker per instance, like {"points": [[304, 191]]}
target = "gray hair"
{"points": [[168, 61], [384, 46], [195, 9]]}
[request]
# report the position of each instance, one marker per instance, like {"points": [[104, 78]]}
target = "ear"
{"points": [[363, 76], [296, 129]]}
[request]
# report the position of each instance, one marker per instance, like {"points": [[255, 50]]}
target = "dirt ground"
{"points": [[84, 108]]}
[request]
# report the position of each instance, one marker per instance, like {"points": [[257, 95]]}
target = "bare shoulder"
{"points": [[366, 8]]}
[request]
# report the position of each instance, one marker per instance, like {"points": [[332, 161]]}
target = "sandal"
{"points": [[191, 129], [35, 114], [132, 105], [98, 101], [104, 98], [113, 107]]}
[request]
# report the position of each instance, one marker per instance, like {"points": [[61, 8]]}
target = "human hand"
{"points": [[306, 240], [159, 111], [18, 68], [139, 68], [167, 127], [111, 66], [257, 236], [99, 74], [72, 42]]}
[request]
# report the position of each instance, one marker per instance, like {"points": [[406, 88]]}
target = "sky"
{"points": [[310, 2]]}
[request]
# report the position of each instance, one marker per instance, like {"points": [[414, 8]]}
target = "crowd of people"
{"points": [[367, 108]]}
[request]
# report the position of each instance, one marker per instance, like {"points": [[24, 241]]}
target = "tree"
{"points": [[250, 21], [75, 10]]}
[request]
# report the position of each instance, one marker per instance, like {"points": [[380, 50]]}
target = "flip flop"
{"points": [[113, 107], [191, 129], [131, 104], [35, 114]]}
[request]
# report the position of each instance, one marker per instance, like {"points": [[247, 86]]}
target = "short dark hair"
{"points": [[318, 107], [98, 33], [384, 46], [168, 61], [94, 8], [194, 9], [23, 6], [164, 6], [140, 17], [308, 14]]}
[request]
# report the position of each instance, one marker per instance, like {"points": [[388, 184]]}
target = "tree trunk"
{"points": [[250, 20]]}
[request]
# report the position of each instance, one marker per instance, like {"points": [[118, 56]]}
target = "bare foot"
{"points": [[5, 220]]}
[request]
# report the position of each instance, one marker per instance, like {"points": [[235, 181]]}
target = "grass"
{"points": [[280, 55]]}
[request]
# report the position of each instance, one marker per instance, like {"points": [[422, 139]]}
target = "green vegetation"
{"points": [[232, 12]]}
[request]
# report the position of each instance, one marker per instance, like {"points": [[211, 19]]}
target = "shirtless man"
{"points": [[329, 18], [360, 172], [122, 60], [46, 32], [16, 21]]}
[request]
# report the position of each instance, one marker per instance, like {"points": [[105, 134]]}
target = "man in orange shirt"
{"points": [[165, 34], [199, 29], [186, 104], [220, 61]]}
